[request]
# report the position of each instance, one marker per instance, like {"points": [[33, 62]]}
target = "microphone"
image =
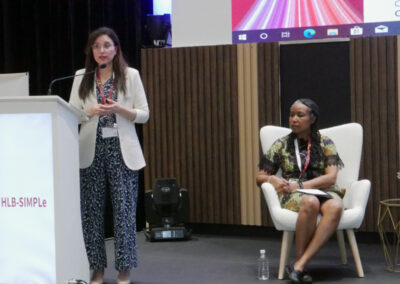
{"points": [[72, 76]]}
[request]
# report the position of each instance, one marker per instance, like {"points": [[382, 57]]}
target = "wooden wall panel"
{"points": [[268, 98], [192, 133], [248, 133], [208, 103], [374, 104]]}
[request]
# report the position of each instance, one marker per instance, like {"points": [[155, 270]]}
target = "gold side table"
{"points": [[389, 231]]}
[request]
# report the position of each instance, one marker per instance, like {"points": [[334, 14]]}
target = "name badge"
{"points": [[110, 131]]}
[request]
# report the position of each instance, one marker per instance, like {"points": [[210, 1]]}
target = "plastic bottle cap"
{"points": [[262, 251]]}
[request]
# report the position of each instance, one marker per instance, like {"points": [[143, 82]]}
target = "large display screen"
{"points": [[161, 7], [287, 20]]}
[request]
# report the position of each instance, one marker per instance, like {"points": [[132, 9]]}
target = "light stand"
{"points": [[167, 210]]}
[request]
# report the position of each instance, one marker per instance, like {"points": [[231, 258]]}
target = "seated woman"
{"points": [[307, 160]]}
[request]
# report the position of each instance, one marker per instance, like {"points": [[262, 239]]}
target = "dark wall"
{"points": [[320, 71], [47, 38]]}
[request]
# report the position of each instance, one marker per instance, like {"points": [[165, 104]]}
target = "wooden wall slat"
{"points": [[214, 134], [255, 136], [157, 118], [367, 104], [392, 131], [375, 126], [174, 132], [221, 141], [374, 99], [181, 109], [169, 118], [231, 138], [383, 46], [190, 133], [188, 130], [241, 125], [268, 99], [225, 79], [195, 138], [248, 133], [208, 137], [163, 111], [202, 145], [235, 171], [150, 134]]}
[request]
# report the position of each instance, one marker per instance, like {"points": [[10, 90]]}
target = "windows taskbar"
{"points": [[320, 32]]}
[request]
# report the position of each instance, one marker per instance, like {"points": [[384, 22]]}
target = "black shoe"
{"points": [[293, 275], [297, 276], [306, 277]]}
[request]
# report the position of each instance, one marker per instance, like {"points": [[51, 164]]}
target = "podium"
{"points": [[41, 237]]}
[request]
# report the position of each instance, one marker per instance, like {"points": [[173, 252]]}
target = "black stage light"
{"points": [[158, 30], [167, 211]]}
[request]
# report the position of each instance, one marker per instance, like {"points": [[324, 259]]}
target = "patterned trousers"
{"points": [[108, 172]]}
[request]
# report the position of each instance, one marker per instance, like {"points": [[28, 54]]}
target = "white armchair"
{"points": [[348, 139]]}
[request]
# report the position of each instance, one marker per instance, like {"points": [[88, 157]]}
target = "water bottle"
{"points": [[263, 266]]}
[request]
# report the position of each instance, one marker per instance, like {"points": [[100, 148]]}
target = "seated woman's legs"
{"points": [[306, 221], [331, 211]]}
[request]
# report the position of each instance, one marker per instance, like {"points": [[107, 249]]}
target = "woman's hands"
{"points": [[281, 185], [100, 109], [110, 108]]}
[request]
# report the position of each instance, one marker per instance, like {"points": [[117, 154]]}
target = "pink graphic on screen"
{"points": [[275, 14]]}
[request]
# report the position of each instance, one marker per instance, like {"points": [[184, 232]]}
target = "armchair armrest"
{"points": [[357, 195], [355, 202], [271, 196], [283, 219]]}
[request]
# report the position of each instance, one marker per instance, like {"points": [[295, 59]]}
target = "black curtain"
{"points": [[47, 39]]}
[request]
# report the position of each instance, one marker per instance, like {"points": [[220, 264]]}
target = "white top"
{"points": [[135, 98]]}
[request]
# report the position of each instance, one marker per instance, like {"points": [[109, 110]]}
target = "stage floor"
{"points": [[231, 259]]}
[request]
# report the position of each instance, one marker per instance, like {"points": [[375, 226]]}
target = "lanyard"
{"points": [[101, 89], [296, 145]]}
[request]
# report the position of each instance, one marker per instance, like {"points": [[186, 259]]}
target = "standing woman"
{"points": [[109, 150], [308, 160]]}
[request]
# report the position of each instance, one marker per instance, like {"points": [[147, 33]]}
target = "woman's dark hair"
{"points": [[316, 150], [119, 64]]}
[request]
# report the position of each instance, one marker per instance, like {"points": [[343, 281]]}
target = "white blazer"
{"points": [[135, 98]]}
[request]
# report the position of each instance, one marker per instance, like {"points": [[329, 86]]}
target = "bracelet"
{"points": [[269, 178], [300, 184]]}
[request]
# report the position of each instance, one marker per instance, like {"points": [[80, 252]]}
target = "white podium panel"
{"points": [[26, 202], [40, 233]]}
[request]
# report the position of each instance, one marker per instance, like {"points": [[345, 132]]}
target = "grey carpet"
{"points": [[226, 259]]}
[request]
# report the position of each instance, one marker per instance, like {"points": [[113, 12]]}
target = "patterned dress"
{"points": [[109, 176], [281, 156]]}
